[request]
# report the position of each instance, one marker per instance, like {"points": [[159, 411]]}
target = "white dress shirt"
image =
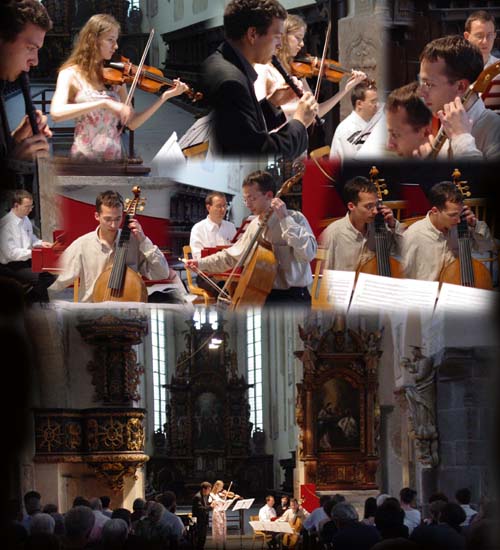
{"points": [[16, 238], [88, 256], [293, 243], [207, 233], [426, 250], [266, 513]]}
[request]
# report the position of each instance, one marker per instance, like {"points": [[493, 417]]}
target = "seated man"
{"points": [[429, 245], [289, 233], [23, 24], [89, 255], [350, 241], [364, 101], [242, 125], [480, 30], [214, 230], [17, 241], [409, 121], [448, 66]]}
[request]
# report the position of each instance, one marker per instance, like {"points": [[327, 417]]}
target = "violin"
{"points": [[382, 263], [309, 66], [150, 79], [465, 270]]}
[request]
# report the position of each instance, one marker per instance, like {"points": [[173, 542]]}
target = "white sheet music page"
{"points": [[243, 504], [339, 285], [375, 293], [465, 299]]}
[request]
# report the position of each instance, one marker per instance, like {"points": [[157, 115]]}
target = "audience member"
{"points": [[463, 497], [351, 533], [114, 534], [42, 523], [32, 505], [106, 510], [407, 498], [389, 519], [442, 535], [78, 524], [100, 520], [369, 512]]}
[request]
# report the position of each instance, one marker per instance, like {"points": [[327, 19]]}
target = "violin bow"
{"points": [[323, 57], [227, 492], [139, 70]]}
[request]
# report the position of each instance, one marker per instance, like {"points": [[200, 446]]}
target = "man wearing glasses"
{"points": [[480, 31], [17, 240], [431, 244], [448, 66], [289, 233]]}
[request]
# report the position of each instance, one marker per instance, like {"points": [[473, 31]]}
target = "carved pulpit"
{"points": [[337, 408], [208, 432]]}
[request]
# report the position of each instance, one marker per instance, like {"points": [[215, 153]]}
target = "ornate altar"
{"points": [[337, 408], [207, 434]]}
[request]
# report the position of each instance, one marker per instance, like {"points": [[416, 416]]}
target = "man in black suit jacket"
{"points": [[201, 509], [242, 124]]}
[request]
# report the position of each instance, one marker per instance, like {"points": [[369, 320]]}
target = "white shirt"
{"points": [[207, 233], [412, 519], [16, 238], [293, 243], [313, 519], [266, 513], [88, 256], [426, 250], [345, 134], [348, 248]]}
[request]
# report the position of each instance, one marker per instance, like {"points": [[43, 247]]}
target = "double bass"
{"points": [[290, 539], [382, 263], [119, 282], [465, 270]]}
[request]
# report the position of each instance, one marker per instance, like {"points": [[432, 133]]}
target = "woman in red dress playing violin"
{"points": [[100, 110], [292, 42]]}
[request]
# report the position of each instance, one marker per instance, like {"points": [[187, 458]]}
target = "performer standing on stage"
{"points": [[201, 509], [219, 524], [292, 41], [99, 110]]}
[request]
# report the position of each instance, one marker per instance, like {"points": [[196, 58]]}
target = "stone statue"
{"points": [[420, 395]]}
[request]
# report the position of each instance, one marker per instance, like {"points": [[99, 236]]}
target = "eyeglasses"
{"points": [[29, 206], [111, 220], [423, 83], [250, 198], [480, 37]]}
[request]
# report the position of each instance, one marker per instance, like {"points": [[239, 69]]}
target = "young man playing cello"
{"points": [[350, 241], [89, 255], [289, 233]]}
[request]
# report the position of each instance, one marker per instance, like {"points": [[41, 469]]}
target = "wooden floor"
{"points": [[235, 542]]}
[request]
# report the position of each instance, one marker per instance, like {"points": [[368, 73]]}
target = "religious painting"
{"points": [[337, 420], [209, 424]]}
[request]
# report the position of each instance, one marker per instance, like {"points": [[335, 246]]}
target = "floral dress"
{"points": [[97, 136], [218, 520]]}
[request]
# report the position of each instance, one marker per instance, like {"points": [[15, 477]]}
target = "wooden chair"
{"points": [[397, 207], [259, 534], [408, 221], [204, 296], [320, 152]]}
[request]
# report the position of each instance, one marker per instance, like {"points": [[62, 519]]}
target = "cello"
{"points": [[290, 539], [382, 263], [119, 282], [260, 265], [465, 270]]}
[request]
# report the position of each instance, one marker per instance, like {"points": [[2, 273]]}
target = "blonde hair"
{"points": [[217, 483], [85, 54], [293, 23]]}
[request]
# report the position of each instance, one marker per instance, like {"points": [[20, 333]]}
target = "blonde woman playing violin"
{"points": [[219, 498], [99, 110], [269, 79]]}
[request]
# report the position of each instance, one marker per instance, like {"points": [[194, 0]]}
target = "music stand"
{"points": [[243, 504]]}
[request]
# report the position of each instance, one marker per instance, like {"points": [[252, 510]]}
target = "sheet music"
{"points": [[227, 504], [338, 286], [462, 298], [243, 504], [374, 293], [272, 526]]}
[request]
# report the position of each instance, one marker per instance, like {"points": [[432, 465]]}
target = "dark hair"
{"points": [[452, 514], [111, 199], [442, 192], [122, 513], [438, 496], [323, 499], [240, 15], [50, 509], [15, 14], [359, 91], [211, 196], [462, 59], [168, 499], [356, 185], [206, 485], [406, 495], [32, 495], [269, 497], [264, 180], [418, 114], [479, 15], [105, 501], [463, 496], [81, 501], [370, 507]]}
